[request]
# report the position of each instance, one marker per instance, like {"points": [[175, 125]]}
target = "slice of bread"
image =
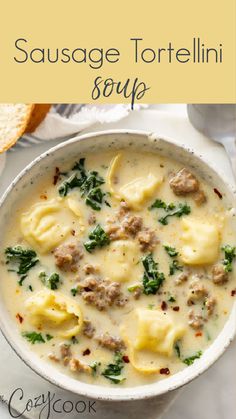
{"points": [[15, 119]]}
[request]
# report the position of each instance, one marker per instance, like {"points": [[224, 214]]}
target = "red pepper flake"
{"points": [[86, 352], [125, 359], [73, 232], [19, 318], [218, 193], [233, 292], [164, 306], [56, 176], [165, 371], [43, 196], [176, 308], [198, 334]]}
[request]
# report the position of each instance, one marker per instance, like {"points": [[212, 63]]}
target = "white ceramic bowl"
{"points": [[71, 150]]}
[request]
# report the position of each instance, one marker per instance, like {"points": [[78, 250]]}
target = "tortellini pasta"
{"points": [[120, 260], [154, 331], [53, 311], [43, 225], [136, 192], [201, 241], [75, 206]]}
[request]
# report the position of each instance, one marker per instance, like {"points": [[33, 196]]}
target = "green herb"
{"points": [[52, 281], [30, 288], [113, 371], [175, 267], [97, 238], [229, 257], [190, 360], [74, 291], [94, 366], [161, 204], [177, 349], [152, 279], [171, 299], [87, 182], [33, 337], [74, 340], [49, 337], [172, 252], [23, 259], [178, 211], [134, 287], [21, 280]]}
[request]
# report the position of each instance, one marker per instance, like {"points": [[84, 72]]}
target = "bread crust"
{"points": [[37, 116]]}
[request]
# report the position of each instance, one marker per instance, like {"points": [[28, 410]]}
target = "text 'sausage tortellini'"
{"points": [[201, 241], [55, 312], [42, 225]]}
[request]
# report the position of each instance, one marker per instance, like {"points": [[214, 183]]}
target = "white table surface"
{"points": [[211, 396]]}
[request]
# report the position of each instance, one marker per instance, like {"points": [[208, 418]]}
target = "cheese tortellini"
{"points": [[201, 241], [54, 311], [136, 192], [43, 226], [120, 260], [154, 331]]}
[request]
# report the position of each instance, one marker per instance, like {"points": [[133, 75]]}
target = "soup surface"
{"points": [[119, 268]]}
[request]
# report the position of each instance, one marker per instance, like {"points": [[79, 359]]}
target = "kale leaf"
{"points": [[33, 337], [172, 252], [178, 211], [175, 267], [190, 360], [52, 281], [87, 182], [23, 259], [229, 257], [97, 238], [113, 371], [152, 279]]}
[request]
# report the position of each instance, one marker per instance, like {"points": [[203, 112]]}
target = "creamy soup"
{"points": [[119, 267]]}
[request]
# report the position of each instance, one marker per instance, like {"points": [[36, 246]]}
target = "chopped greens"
{"points": [[190, 360], [172, 252], [171, 209], [230, 254], [22, 259], [134, 287], [171, 299], [74, 340], [74, 291], [94, 366], [113, 371], [52, 281], [87, 182], [177, 349], [33, 337], [49, 337], [152, 279], [175, 267], [97, 238]]}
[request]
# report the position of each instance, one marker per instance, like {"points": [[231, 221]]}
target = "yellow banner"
{"points": [[111, 52]]}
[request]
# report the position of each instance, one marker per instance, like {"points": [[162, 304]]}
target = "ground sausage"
{"points": [[184, 182], [210, 303], [147, 240], [101, 293], [88, 329], [219, 275], [132, 224], [77, 365], [197, 292], [67, 256], [181, 278], [199, 197], [195, 320], [110, 342]]}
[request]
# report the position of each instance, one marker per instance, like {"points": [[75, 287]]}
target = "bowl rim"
{"points": [[99, 392]]}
